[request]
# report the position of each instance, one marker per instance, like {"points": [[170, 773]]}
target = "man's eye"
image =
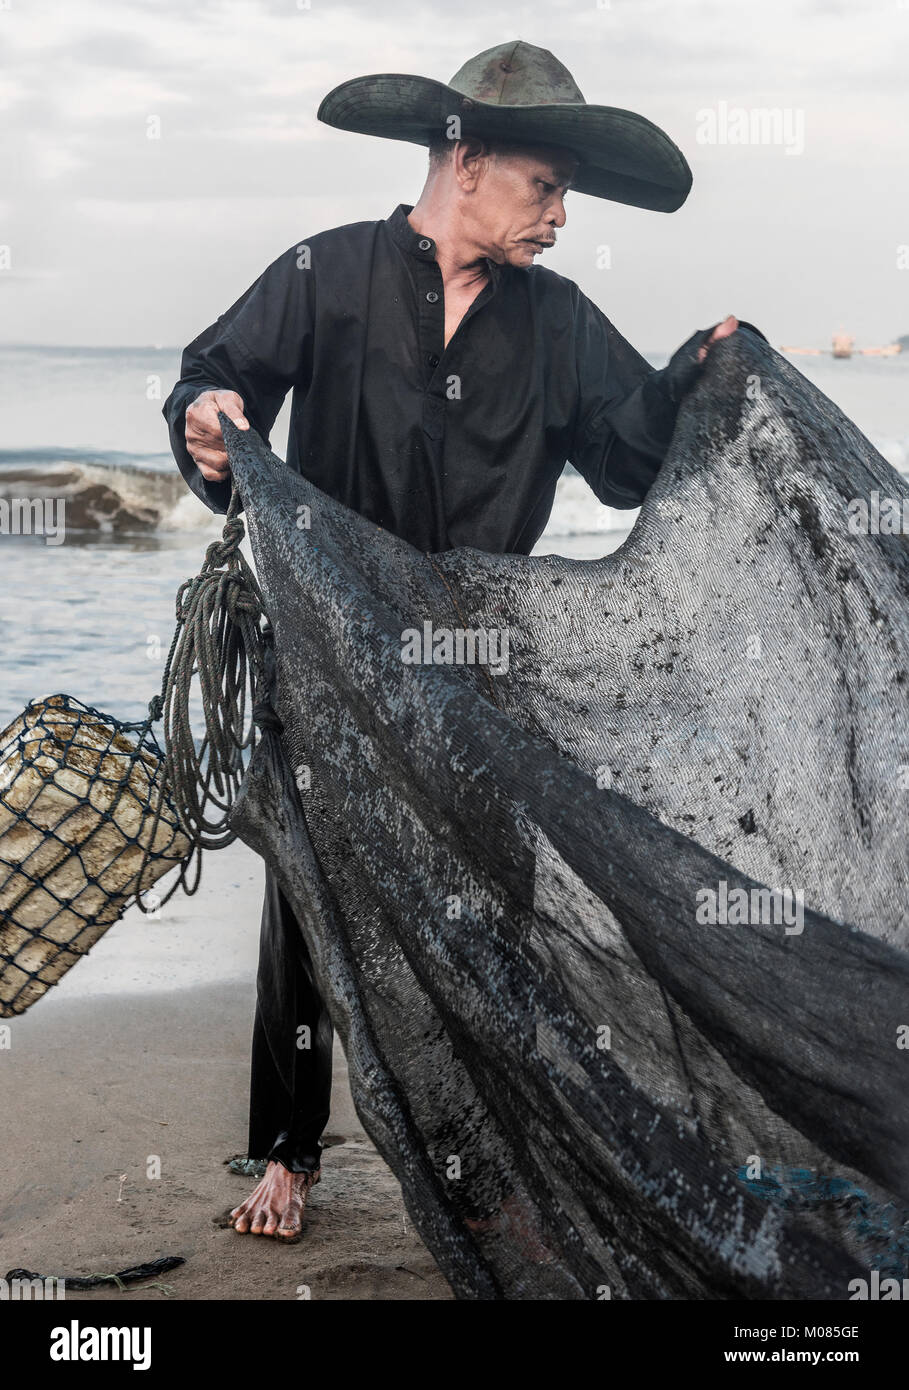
{"points": [[547, 187]]}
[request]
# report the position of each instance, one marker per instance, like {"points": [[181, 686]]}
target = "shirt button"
{"points": [[432, 297], [433, 360], [425, 245]]}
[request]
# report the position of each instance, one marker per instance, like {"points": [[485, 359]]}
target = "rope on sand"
{"points": [[133, 1275]]}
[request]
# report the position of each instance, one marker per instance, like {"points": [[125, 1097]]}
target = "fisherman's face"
{"points": [[517, 205]]}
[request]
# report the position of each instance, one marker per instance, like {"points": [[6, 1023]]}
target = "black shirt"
{"points": [[443, 446]]}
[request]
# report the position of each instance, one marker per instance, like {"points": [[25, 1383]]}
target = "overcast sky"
{"points": [[118, 238]]}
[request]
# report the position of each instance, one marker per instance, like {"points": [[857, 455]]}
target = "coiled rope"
{"points": [[219, 638]]}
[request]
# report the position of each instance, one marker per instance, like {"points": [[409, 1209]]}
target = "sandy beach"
{"points": [[142, 1052]]}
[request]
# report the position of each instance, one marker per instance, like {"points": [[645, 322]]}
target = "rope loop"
{"points": [[219, 640]]}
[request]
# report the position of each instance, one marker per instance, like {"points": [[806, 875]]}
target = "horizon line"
{"points": [[97, 347]]}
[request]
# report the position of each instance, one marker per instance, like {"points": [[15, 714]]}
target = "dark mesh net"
{"points": [[84, 828], [591, 1074]]}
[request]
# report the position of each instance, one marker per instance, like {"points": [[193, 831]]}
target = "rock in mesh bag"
{"points": [[591, 1079], [78, 802]]}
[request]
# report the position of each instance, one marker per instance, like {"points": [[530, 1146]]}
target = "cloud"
{"points": [[158, 231]]}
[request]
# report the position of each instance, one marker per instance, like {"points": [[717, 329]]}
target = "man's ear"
{"points": [[471, 156]]}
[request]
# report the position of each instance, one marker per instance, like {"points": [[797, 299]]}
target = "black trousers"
{"points": [[290, 1084]]}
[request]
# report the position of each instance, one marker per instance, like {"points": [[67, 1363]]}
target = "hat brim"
{"points": [[622, 156]]}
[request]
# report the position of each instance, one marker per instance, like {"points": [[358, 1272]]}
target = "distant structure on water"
{"points": [[843, 345]]}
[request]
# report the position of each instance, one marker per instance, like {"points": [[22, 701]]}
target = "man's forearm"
{"points": [[644, 422]]}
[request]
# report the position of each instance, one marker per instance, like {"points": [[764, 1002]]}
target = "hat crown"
{"points": [[517, 74]]}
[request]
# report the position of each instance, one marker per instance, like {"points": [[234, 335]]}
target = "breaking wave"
{"points": [[111, 492], [104, 492]]}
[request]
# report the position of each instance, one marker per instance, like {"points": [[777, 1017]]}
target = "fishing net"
{"points": [[94, 811], [611, 918], [79, 837]]}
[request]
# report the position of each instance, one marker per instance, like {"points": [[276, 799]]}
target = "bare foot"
{"points": [[276, 1206]]}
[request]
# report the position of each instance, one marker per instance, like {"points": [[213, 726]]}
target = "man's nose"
{"points": [[557, 215]]}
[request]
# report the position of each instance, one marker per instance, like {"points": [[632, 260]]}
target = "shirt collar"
{"points": [[423, 247]]}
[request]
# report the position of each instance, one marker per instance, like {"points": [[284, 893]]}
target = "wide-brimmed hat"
{"points": [[523, 95]]}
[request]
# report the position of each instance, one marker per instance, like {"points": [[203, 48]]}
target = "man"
{"points": [[441, 380]]}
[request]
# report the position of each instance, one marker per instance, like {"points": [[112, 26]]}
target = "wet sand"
{"points": [[143, 1053]]}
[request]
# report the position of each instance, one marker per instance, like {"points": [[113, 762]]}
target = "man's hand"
{"points": [[686, 364], [204, 440], [722, 330]]}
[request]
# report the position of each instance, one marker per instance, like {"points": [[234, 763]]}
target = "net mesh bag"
{"points": [[84, 828], [587, 1086], [94, 810]]}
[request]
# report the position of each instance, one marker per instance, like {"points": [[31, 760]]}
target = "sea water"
{"points": [[94, 616]]}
